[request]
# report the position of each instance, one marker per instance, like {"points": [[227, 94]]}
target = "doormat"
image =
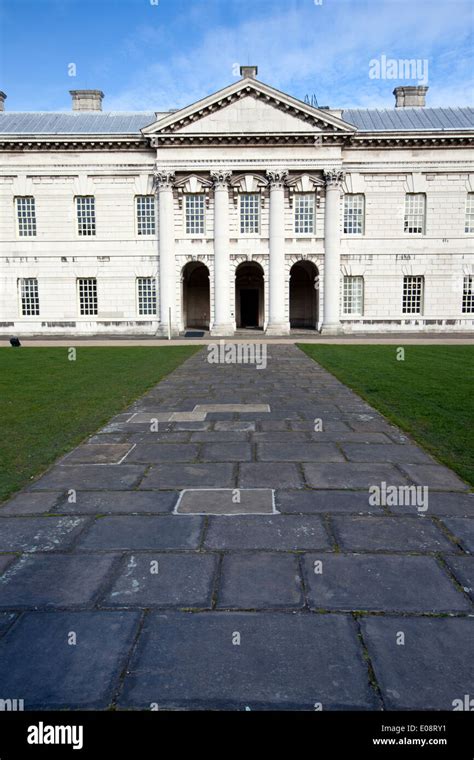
{"points": [[194, 334]]}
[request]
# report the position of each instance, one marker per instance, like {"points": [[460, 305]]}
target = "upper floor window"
{"points": [[469, 223], [354, 207], [353, 295], [195, 205], [85, 205], [304, 214], [412, 302], [468, 294], [146, 221], [26, 215], [146, 296], [29, 297], [415, 205], [249, 214], [87, 296]]}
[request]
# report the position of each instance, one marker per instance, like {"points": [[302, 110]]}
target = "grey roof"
{"points": [[122, 123], [409, 119]]}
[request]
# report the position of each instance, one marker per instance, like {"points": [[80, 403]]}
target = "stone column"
{"points": [[278, 321], [223, 323], [332, 252], [164, 181]]}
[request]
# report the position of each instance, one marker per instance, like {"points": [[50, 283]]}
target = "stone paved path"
{"points": [[112, 599]]}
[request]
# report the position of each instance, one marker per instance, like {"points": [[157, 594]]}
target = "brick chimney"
{"points": [[3, 97], [410, 97], [249, 72], [86, 100]]}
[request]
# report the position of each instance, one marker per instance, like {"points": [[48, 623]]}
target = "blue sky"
{"points": [[162, 54]]}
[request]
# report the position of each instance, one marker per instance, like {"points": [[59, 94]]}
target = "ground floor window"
{"points": [[146, 296], [468, 294], [412, 295], [87, 287], [29, 297], [353, 295]]}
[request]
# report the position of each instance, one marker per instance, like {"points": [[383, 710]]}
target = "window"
{"points": [[87, 296], [412, 295], [26, 214], [304, 214], [468, 294], [195, 214], [353, 295], [469, 224], [85, 205], [249, 214], [29, 297], [146, 295], [354, 214], [415, 213], [146, 215]]}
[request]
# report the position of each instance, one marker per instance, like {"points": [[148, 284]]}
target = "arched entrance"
{"points": [[249, 295], [196, 301], [304, 295]]}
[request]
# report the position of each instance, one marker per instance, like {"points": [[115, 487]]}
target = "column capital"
{"points": [[277, 178], [221, 178], [164, 179], [334, 178]]}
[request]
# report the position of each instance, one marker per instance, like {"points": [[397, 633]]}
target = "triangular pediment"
{"points": [[249, 107]]}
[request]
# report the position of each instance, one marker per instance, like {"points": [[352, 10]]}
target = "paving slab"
{"points": [[226, 452], [462, 529], [31, 503], [143, 533], [164, 580], [150, 453], [308, 501], [385, 452], [351, 475], [282, 661], [51, 673], [380, 583], [234, 427], [431, 670], [98, 453], [400, 534], [258, 581], [237, 408], [119, 502], [180, 476], [434, 476], [6, 619], [226, 501], [90, 477], [6, 560], [278, 532], [462, 568], [269, 475], [442, 503], [298, 452], [34, 534], [54, 581]]}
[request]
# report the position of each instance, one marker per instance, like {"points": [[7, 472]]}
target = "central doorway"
{"points": [[249, 296], [196, 302], [303, 296]]}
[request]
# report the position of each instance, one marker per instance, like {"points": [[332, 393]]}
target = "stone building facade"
{"points": [[247, 210]]}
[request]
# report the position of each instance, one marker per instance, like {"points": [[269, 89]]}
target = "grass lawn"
{"points": [[50, 404], [429, 394]]}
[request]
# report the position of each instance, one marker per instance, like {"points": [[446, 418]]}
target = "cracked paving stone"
{"points": [[31, 503], [284, 661], [380, 583], [434, 476], [97, 453], [324, 501], [351, 475], [298, 452], [403, 534], [164, 580], [35, 534], [54, 581], [119, 502], [49, 673], [278, 532], [257, 581], [90, 477], [385, 452], [143, 533], [163, 452], [269, 475], [168, 476], [463, 570], [434, 667], [462, 528]]}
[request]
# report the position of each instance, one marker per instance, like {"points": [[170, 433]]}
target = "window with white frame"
{"points": [[249, 214], [354, 208], [468, 294], [85, 206], [469, 223], [195, 205], [415, 205], [29, 297], [87, 287], [26, 216], [304, 213], [146, 217], [412, 295], [353, 295], [146, 296]]}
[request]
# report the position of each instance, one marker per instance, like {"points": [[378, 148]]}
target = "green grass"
{"points": [[49, 404], [429, 394]]}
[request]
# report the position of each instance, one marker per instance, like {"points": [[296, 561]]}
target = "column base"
{"points": [[222, 331], [332, 328], [278, 328], [162, 331]]}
